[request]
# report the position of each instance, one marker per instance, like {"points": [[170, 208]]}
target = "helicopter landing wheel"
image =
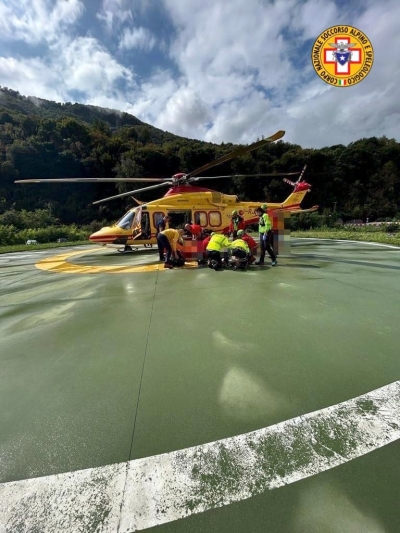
{"points": [[128, 249]]}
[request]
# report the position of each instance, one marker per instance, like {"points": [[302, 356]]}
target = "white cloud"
{"points": [[30, 77], [113, 13], [228, 49], [140, 38], [153, 95], [89, 67], [34, 21], [78, 65], [314, 16], [324, 115], [185, 113], [239, 70], [226, 53]]}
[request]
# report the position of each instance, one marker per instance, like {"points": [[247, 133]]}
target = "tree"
{"points": [[29, 126], [8, 171], [70, 128], [101, 127], [127, 167], [5, 117]]}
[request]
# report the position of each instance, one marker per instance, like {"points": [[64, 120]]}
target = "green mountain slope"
{"points": [[30, 105]]}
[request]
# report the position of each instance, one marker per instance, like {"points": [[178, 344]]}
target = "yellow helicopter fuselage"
{"points": [[211, 210]]}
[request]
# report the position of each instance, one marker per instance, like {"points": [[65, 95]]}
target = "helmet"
{"points": [[240, 233], [234, 212], [264, 207]]}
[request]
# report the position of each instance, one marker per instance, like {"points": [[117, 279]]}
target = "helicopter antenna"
{"points": [[137, 201]]}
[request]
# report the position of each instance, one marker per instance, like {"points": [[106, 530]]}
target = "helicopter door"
{"points": [[136, 225], [141, 225], [179, 218], [145, 226]]}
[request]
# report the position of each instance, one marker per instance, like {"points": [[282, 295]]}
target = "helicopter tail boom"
{"points": [[293, 201]]}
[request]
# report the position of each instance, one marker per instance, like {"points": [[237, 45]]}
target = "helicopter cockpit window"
{"points": [[215, 218], [126, 220]]}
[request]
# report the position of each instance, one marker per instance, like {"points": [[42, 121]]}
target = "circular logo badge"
{"points": [[342, 56]]}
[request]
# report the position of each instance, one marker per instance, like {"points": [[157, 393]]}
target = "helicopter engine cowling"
{"points": [[302, 186]]}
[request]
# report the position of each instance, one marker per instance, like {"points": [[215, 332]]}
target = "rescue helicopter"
{"points": [[185, 202]]}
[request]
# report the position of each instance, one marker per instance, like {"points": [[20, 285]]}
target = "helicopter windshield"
{"points": [[126, 221]]}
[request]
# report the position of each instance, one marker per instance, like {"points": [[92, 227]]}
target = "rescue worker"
{"points": [[195, 230], [207, 240], [236, 224], [168, 240], [163, 224], [242, 234], [240, 250], [217, 243], [203, 259], [265, 232]]}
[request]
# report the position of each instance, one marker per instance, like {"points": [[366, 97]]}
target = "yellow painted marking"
{"points": [[59, 263]]}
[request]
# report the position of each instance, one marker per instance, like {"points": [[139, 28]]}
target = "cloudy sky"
{"points": [[216, 70]]}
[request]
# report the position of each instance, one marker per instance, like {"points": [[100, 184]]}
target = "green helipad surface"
{"points": [[105, 367]]}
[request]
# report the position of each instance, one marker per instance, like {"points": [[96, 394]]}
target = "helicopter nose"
{"points": [[104, 235]]}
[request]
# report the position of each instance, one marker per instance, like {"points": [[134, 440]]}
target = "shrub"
{"points": [[10, 235]]}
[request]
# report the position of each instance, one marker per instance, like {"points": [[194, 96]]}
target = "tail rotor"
{"points": [[295, 183]]}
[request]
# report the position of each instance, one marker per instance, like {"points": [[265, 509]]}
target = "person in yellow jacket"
{"points": [[168, 240], [265, 232], [240, 251], [240, 248], [217, 243]]}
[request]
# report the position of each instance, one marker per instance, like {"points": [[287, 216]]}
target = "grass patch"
{"points": [[350, 235], [45, 246]]}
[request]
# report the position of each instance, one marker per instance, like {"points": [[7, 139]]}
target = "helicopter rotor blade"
{"points": [[302, 173], [239, 151], [88, 180], [122, 195], [271, 175]]}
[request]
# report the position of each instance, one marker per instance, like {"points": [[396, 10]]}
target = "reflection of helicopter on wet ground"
{"points": [[185, 202]]}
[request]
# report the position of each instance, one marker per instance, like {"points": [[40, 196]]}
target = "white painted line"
{"points": [[147, 492], [18, 256], [346, 240]]}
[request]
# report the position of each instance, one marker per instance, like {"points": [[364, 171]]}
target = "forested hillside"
{"points": [[45, 139]]}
